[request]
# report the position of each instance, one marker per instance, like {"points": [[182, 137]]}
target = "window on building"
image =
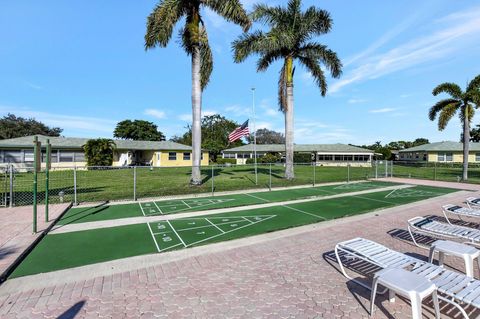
{"points": [[445, 157], [348, 158], [79, 156], [12, 156], [186, 156], [477, 157], [228, 155], [53, 156], [66, 156], [244, 155], [28, 156], [172, 156]]}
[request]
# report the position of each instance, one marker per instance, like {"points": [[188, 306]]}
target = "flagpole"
{"points": [[254, 136]]}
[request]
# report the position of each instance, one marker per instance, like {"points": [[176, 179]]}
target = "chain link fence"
{"points": [[450, 172], [97, 184]]}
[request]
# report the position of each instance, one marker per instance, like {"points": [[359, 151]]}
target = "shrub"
{"points": [[221, 161], [302, 158], [99, 152]]}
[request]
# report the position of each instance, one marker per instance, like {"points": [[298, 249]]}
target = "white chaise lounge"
{"points": [[473, 202], [442, 230], [460, 211], [453, 287]]}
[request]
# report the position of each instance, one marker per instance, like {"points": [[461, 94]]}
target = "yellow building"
{"points": [[68, 152], [440, 152]]}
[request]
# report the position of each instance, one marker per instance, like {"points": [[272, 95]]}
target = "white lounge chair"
{"points": [[460, 211], [473, 202], [453, 287], [442, 230]]}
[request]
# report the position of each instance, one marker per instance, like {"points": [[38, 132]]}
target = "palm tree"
{"points": [[289, 39], [463, 102], [193, 35]]}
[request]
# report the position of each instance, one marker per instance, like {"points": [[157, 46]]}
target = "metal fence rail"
{"points": [[95, 184]]}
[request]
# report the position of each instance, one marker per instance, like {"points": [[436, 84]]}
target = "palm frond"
{"points": [[471, 112], [247, 44], [450, 88], [438, 107], [161, 21], [206, 58], [230, 10], [269, 15], [282, 89], [446, 115], [316, 71], [268, 58], [474, 96], [316, 22], [316, 51], [474, 84]]}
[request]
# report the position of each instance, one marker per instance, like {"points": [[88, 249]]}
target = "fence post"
{"points": [[270, 177], [348, 173], [213, 182], [434, 171], [75, 185], [11, 185], [135, 183], [391, 169], [314, 173], [376, 169], [386, 168]]}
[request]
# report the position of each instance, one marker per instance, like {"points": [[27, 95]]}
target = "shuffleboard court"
{"points": [[107, 212], [78, 248]]}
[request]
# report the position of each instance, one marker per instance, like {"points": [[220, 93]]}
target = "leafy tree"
{"points": [[12, 126], [461, 102], [138, 130], [420, 141], [99, 152], [289, 39], [215, 130], [266, 136], [474, 134], [194, 40]]}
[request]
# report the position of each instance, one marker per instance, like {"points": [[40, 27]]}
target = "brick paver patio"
{"points": [[287, 274], [16, 230]]}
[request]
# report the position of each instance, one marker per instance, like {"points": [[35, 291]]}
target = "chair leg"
{"points": [[469, 266], [431, 254], [373, 294], [436, 305]]}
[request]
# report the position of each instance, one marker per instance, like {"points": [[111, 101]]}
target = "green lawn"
{"points": [[118, 183], [66, 250], [106, 212]]}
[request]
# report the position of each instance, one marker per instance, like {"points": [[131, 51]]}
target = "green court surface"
{"points": [[66, 250], [106, 212]]}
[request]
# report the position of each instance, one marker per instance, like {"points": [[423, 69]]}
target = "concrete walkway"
{"points": [[57, 229], [16, 231], [288, 274], [426, 182]]}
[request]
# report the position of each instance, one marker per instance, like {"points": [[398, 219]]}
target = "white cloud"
{"points": [[356, 101], [383, 110], [236, 110], [259, 125], [208, 112], [155, 113], [33, 85], [66, 122], [457, 35], [307, 78], [403, 96]]}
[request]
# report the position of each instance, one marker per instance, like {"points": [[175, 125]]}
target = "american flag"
{"points": [[239, 132]]}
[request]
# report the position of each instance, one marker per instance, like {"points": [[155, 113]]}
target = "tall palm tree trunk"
{"points": [[196, 178], [289, 173], [466, 144]]}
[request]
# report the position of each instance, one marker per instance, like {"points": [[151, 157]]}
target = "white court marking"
{"points": [[233, 221], [198, 204], [391, 193], [304, 212], [158, 208], [265, 200], [140, 204]]}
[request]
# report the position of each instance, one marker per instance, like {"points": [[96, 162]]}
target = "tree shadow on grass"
{"points": [[83, 213], [73, 311]]}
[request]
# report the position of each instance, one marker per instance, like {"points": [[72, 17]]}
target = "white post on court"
{"points": [[270, 177], [254, 136], [386, 168], [135, 183], [75, 185]]}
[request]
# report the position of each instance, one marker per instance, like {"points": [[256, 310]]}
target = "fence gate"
{"points": [[4, 187], [383, 169]]}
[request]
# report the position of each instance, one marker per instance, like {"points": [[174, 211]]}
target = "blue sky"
{"points": [[81, 65]]}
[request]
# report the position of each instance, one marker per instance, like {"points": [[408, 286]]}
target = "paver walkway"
{"points": [[286, 274], [426, 182], [16, 230]]}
